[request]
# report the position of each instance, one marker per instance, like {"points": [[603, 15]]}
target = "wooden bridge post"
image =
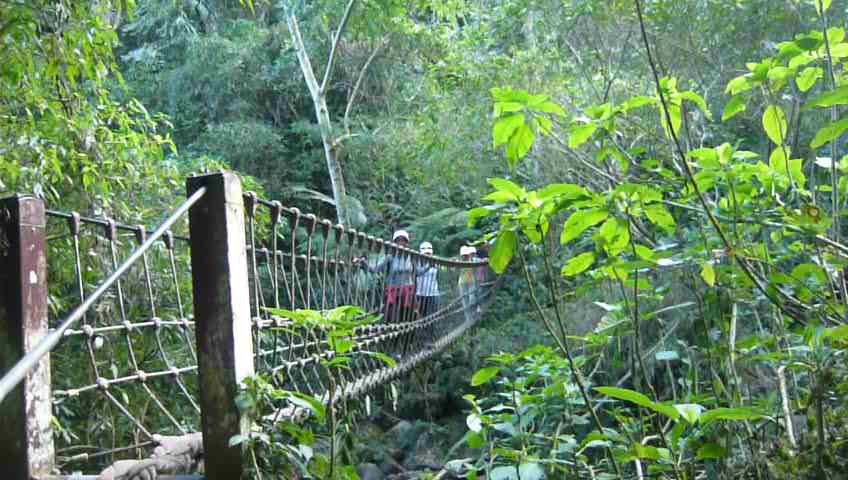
{"points": [[26, 450], [222, 317]]}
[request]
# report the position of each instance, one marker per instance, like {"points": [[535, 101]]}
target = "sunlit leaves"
{"points": [[503, 251], [731, 414], [519, 144], [581, 220], [838, 96], [735, 106], [639, 399], [514, 192], [519, 117], [505, 127], [774, 123], [659, 216], [829, 133], [580, 134], [698, 101], [474, 423], [578, 264], [821, 6], [613, 237], [808, 77], [637, 102], [484, 375], [708, 274], [738, 85]]}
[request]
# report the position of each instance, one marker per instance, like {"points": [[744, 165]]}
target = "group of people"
{"points": [[412, 287]]}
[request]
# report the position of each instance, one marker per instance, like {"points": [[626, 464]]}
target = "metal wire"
{"points": [[31, 359]]}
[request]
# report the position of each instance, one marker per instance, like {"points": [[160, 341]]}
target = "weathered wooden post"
{"points": [[26, 450], [222, 316]]}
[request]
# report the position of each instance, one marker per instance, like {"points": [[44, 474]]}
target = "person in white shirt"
{"points": [[426, 282]]}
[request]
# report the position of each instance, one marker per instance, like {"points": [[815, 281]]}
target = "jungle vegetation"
{"points": [[664, 183]]}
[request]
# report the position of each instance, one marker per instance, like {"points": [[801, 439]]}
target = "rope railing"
{"points": [[166, 338], [116, 328]]}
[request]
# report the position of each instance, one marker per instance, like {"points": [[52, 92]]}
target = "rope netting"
{"points": [[139, 376], [299, 261]]}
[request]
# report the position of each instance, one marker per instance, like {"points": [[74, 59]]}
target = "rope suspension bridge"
{"points": [[183, 314]]}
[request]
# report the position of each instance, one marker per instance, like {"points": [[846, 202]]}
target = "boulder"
{"points": [[369, 471], [425, 454]]}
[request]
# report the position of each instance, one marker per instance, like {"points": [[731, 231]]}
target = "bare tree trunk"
{"points": [[319, 100]]}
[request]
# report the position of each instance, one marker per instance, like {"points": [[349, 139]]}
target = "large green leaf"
{"points": [[519, 144], [579, 221], [659, 216], [774, 123], [549, 107], [503, 250], [504, 185], [505, 127], [578, 264], [580, 134], [708, 274], [697, 100], [735, 106], [808, 77], [830, 132], [838, 96], [639, 399], [637, 102], [821, 5], [484, 375], [732, 414], [567, 191]]}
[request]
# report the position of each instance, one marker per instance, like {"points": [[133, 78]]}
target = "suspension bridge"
{"points": [[117, 343]]}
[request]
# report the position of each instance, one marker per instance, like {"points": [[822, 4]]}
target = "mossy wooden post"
{"points": [[26, 449], [222, 317]]}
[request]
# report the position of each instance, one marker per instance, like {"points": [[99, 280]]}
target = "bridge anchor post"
{"points": [[222, 317], [26, 450]]}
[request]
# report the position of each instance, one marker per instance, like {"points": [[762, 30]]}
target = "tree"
{"points": [[319, 100]]}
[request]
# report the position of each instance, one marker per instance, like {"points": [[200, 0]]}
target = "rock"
{"points": [[403, 435], [369, 471], [424, 455], [368, 446]]}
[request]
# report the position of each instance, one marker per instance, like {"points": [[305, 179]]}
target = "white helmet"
{"points": [[400, 234], [426, 248], [467, 250]]}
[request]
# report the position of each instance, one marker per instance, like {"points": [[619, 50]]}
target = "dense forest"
{"points": [[661, 185]]}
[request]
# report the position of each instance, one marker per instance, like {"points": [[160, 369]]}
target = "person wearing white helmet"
{"points": [[427, 283], [399, 292], [468, 282]]}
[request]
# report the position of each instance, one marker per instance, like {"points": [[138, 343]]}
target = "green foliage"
{"points": [[63, 132], [286, 425], [757, 240]]}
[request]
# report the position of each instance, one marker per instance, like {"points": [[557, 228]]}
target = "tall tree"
{"points": [[318, 93]]}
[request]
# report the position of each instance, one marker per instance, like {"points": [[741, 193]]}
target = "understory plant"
{"points": [[296, 435]]}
